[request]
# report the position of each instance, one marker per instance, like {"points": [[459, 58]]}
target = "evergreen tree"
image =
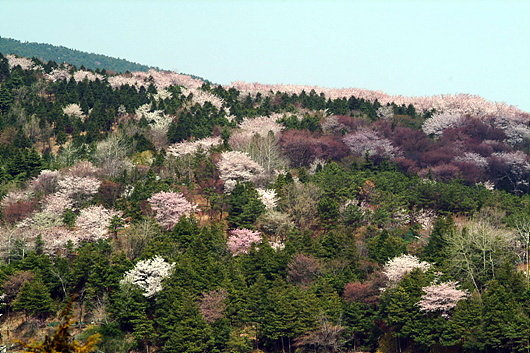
{"points": [[34, 299]]}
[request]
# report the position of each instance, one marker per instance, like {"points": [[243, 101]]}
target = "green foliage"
{"points": [[75, 57], [244, 206], [384, 247], [34, 299]]}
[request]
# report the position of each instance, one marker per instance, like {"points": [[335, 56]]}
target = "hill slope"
{"points": [[61, 54]]}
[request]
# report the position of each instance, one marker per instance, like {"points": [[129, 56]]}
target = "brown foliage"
{"points": [[301, 147], [212, 305], [109, 192], [14, 283], [19, 210], [367, 292], [302, 269]]}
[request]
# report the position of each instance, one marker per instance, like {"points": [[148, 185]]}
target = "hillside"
{"points": [[191, 217], [60, 54]]}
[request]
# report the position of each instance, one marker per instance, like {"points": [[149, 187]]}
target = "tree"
{"points": [[236, 166], [148, 275], [240, 240], [170, 207], [396, 268], [441, 297], [327, 336], [367, 142], [245, 206], [34, 299], [479, 249], [212, 305]]}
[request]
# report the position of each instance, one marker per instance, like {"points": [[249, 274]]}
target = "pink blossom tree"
{"points": [[170, 207], [240, 240], [441, 297]]}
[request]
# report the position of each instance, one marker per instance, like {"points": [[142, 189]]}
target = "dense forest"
{"points": [[183, 216], [61, 54]]}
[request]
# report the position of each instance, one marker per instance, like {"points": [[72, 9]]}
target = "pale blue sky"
{"points": [[400, 47]]}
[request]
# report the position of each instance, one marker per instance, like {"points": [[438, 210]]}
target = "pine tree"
{"points": [[34, 299]]}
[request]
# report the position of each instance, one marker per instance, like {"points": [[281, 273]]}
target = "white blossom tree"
{"points": [[436, 124], [268, 197], [396, 268], [148, 275], [93, 223], [74, 110], [369, 142], [237, 166]]}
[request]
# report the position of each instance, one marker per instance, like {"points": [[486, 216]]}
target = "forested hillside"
{"points": [[60, 54], [189, 217]]}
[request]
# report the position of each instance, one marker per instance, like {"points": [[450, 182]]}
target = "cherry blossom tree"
{"points": [[474, 159], [24, 63], [396, 268], [436, 124], [78, 189], [83, 169], [385, 112], [46, 182], [162, 94], [181, 149], [74, 110], [331, 125], [237, 166], [368, 141], [240, 240], [14, 197], [249, 127], [90, 76], [441, 297], [170, 207], [93, 223], [268, 197], [60, 73], [148, 275]]}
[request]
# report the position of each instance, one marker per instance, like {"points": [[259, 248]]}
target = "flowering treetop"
{"points": [[148, 275], [396, 268], [170, 207], [441, 297], [238, 166], [181, 149], [240, 240]]}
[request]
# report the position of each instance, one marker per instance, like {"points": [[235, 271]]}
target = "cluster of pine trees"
{"points": [[204, 219]]}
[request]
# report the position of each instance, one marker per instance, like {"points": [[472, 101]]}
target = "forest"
{"points": [[183, 216], [61, 54]]}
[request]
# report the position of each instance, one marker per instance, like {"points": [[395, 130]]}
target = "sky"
{"points": [[411, 48]]}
